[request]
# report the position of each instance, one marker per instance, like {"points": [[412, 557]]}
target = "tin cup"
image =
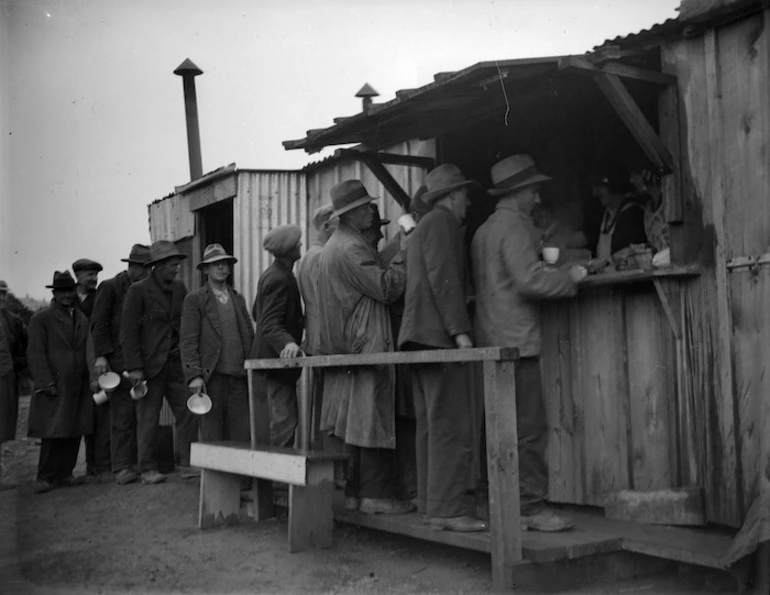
{"points": [[108, 381], [101, 397], [199, 403], [550, 254], [407, 223], [139, 391]]}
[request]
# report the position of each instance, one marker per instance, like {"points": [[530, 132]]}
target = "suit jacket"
{"points": [[277, 311], [105, 320], [16, 335], [60, 354], [149, 326], [87, 305], [435, 300], [200, 339]]}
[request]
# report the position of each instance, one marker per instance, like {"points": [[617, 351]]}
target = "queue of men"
{"points": [[407, 432]]}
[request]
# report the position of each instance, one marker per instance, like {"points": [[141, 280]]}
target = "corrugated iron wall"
{"points": [[321, 178], [266, 199], [171, 219]]}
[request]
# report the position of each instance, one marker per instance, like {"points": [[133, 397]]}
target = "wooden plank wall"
{"points": [[610, 388], [724, 417]]}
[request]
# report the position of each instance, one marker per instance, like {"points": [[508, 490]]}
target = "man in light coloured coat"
{"points": [[509, 281], [354, 291]]}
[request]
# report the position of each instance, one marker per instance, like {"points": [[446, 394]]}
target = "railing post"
{"points": [[503, 470], [259, 422]]}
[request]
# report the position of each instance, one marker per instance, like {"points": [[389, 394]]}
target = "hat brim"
{"points": [[204, 263], [536, 179], [134, 261], [157, 260], [432, 195], [353, 205], [62, 287]]}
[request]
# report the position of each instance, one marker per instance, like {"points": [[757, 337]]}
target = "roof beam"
{"points": [[373, 161], [617, 69]]}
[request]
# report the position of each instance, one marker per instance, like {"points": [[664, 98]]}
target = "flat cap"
{"points": [[282, 239], [86, 264], [3, 286]]}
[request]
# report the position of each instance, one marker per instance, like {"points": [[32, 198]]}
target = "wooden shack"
{"points": [[654, 379]]}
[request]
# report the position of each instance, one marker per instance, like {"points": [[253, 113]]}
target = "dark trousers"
{"points": [[58, 457], [282, 398], [229, 415], [405, 458], [532, 428], [123, 428], [370, 470], [98, 455], [442, 406], [171, 384]]}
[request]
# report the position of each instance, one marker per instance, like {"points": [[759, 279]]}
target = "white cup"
{"points": [[108, 381], [139, 391], [101, 397], [199, 404], [407, 223], [550, 254]]}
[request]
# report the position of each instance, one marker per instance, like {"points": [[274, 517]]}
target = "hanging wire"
{"points": [[507, 105]]}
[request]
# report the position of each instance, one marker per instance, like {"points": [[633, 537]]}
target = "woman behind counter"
{"points": [[623, 220]]}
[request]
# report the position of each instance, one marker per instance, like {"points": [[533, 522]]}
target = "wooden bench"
{"points": [[310, 476]]}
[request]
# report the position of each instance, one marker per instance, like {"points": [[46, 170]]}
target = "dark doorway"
{"points": [[215, 226]]}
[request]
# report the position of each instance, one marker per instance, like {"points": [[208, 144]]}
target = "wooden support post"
{"points": [[220, 499], [303, 411], [387, 180], [503, 470], [259, 415], [636, 122], [311, 516]]}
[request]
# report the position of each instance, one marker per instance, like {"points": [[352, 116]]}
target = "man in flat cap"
{"points": [[13, 360], [149, 332], [60, 357], [105, 329], [354, 291], [307, 279], [436, 317], [510, 280], [278, 313], [87, 275], [215, 339]]}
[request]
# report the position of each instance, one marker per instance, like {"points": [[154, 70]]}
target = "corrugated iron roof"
{"points": [[652, 36]]}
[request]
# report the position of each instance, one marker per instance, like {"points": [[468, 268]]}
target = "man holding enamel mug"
{"points": [[215, 339]]}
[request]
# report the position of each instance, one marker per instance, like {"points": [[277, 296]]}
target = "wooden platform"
{"points": [[593, 535]]}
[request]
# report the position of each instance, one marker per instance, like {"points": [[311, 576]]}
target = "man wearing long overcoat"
{"points": [[277, 310], [358, 404], [105, 328], [60, 356], [149, 330], [215, 339], [436, 317]]}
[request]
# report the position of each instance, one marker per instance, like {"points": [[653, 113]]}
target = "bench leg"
{"points": [[311, 518], [261, 508], [220, 499]]}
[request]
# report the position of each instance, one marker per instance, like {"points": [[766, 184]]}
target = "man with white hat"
{"points": [[149, 331], [215, 339], [354, 290], [509, 281], [105, 329], [436, 317], [278, 313], [13, 359]]}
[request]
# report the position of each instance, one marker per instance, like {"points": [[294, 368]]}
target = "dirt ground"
{"points": [[143, 539]]}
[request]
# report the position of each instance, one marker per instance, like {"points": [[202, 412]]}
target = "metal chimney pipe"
{"points": [[188, 71]]}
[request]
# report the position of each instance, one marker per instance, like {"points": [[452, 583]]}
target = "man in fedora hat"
{"points": [[60, 358], [436, 317], [120, 441], [87, 275], [149, 331], [13, 360], [509, 281], [277, 311], [307, 280], [354, 290], [215, 339]]}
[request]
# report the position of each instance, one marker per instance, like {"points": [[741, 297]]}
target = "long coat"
{"points": [[149, 327], [307, 279], [277, 311], [354, 291], [13, 359], [435, 303], [60, 354], [510, 279], [200, 338], [105, 320]]}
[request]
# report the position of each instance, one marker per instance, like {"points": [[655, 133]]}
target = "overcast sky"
{"points": [[93, 117]]}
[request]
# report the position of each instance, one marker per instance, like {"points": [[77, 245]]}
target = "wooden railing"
{"points": [[500, 414]]}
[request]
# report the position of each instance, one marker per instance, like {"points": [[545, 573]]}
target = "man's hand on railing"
{"points": [[463, 341], [291, 350]]}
